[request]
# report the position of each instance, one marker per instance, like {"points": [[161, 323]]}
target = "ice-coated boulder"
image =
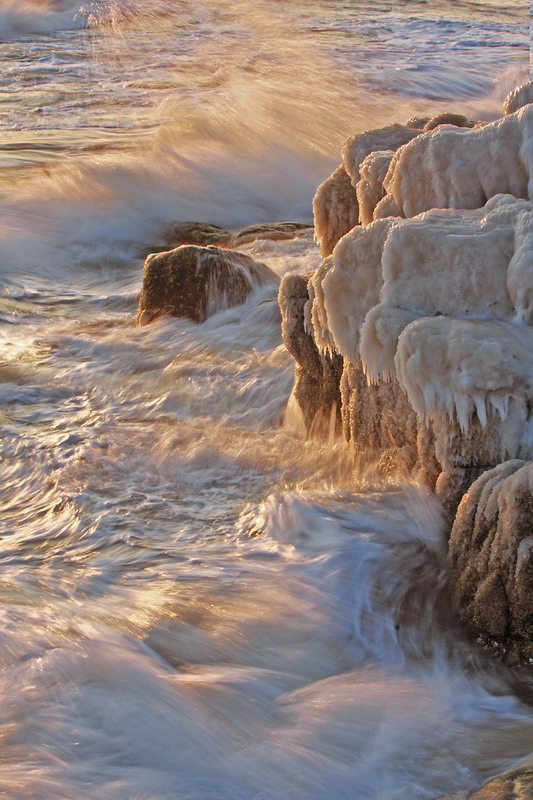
{"points": [[369, 188], [358, 147], [491, 559], [195, 282], [351, 194], [335, 204], [518, 98], [335, 209]]}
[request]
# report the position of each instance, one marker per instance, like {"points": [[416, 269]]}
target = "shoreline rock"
{"points": [[420, 320], [195, 282]]}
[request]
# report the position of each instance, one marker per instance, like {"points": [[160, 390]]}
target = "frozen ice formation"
{"points": [[491, 558], [351, 194], [195, 282], [434, 302], [335, 205], [425, 307], [452, 167]]}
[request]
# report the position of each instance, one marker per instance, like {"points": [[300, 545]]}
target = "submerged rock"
{"points": [[199, 233], [195, 282], [491, 559], [276, 231], [515, 785]]}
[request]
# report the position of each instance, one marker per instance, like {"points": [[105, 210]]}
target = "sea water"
{"points": [[198, 602]]}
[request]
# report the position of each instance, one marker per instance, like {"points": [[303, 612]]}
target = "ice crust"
{"points": [[437, 302], [452, 167]]}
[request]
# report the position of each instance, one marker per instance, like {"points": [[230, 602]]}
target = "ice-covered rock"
{"points": [[358, 147], [345, 287], [335, 204], [518, 98], [335, 209], [366, 161], [431, 310], [369, 189], [317, 375], [429, 305], [491, 559], [195, 282]]}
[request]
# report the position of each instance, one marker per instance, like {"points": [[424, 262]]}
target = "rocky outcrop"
{"points": [[195, 282], [424, 313], [491, 559], [427, 307], [514, 785], [317, 376], [448, 118]]}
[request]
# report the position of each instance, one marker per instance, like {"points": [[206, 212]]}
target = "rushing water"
{"points": [[197, 603]]}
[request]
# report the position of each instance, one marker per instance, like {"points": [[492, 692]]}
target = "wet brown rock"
{"points": [[195, 282], [417, 123], [378, 420], [491, 560]]}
